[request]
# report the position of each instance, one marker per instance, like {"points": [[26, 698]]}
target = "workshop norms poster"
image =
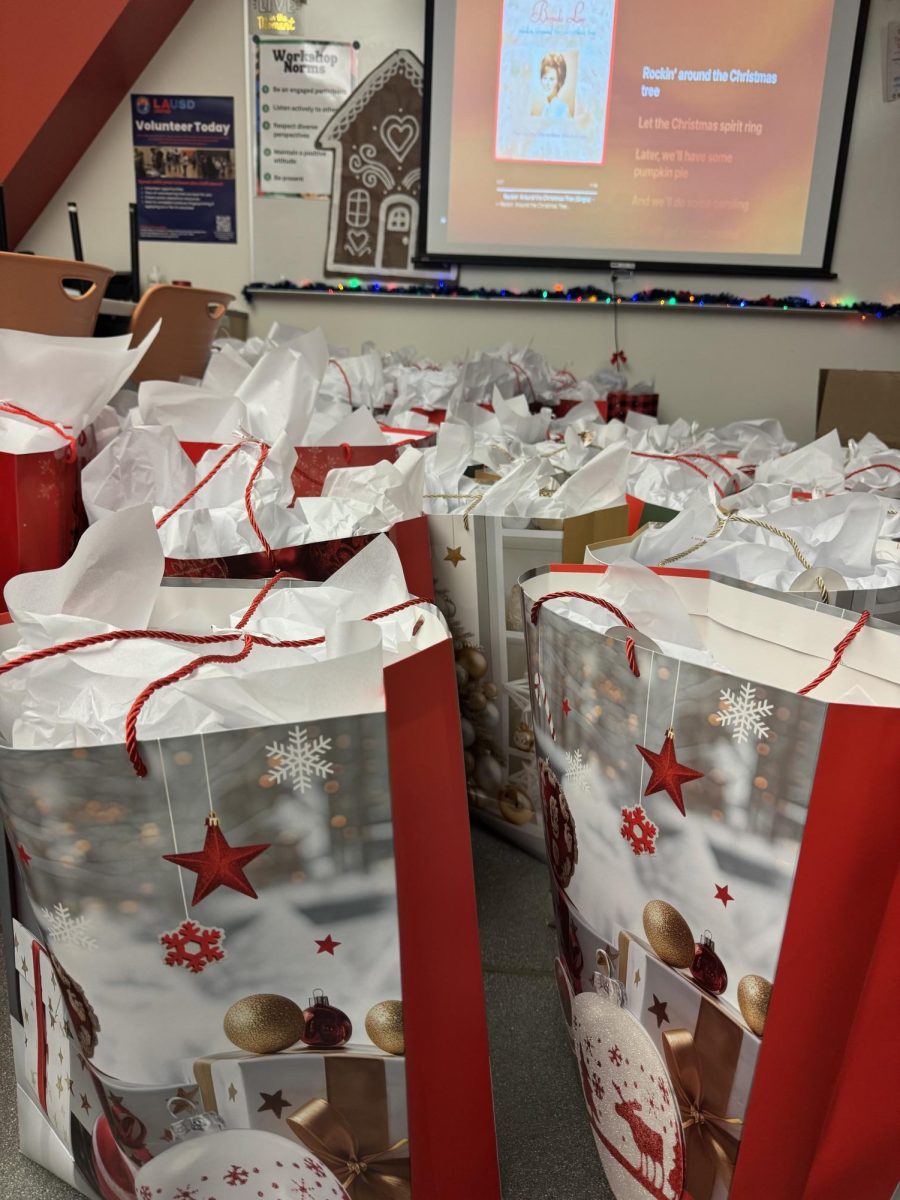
{"points": [[184, 168]]}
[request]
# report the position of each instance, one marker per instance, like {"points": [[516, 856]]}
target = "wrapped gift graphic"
{"points": [[710, 1054], [50, 1061], [346, 1105]]}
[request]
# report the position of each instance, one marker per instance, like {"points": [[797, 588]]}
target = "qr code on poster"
{"points": [[223, 223]]}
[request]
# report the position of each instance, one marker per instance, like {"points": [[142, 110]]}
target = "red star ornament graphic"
{"points": [[218, 864], [723, 894], [23, 854], [326, 945], [667, 773], [566, 706]]}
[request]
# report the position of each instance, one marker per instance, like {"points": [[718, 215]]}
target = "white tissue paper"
{"points": [[67, 380], [837, 533], [146, 465], [81, 698]]}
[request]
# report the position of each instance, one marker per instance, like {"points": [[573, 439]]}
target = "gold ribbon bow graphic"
{"points": [[366, 1176], [702, 1126]]}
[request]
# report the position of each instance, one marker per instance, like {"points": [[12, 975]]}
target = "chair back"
{"points": [[190, 318], [50, 295]]}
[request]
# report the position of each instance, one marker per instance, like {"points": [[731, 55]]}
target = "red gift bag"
{"points": [[618, 405], [313, 561], [41, 500], [314, 462]]}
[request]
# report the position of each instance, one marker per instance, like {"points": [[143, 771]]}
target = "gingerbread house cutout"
{"points": [[376, 138]]}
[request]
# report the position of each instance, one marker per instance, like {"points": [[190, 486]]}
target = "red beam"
{"points": [[64, 67]]}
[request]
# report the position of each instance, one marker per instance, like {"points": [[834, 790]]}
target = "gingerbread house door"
{"points": [[397, 227]]}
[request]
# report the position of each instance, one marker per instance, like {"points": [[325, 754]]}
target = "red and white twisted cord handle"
{"points": [[611, 608], [15, 410], [210, 639], [248, 490]]}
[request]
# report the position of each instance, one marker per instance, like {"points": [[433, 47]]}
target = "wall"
{"points": [[60, 94], [203, 56], [711, 367]]}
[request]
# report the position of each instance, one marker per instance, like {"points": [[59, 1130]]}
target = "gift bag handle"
{"points": [[873, 467], [598, 600], [629, 642], [685, 460], [731, 515], [14, 409], [210, 639], [333, 362], [248, 490]]}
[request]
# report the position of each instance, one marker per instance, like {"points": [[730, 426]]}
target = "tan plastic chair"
{"points": [[34, 294], [190, 318]]}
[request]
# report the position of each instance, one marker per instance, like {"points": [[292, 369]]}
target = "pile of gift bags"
{"points": [[271, 629]]}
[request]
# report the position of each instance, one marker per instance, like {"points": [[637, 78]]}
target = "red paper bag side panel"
{"points": [[411, 541], [858, 1156], [843, 885], [40, 496], [451, 1117]]}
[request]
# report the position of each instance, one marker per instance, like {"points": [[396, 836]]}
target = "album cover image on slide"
{"points": [[554, 80]]}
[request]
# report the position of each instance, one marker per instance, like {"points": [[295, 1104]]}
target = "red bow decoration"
{"points": [[619, 356]]}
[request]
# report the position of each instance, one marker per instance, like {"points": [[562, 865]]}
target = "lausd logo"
{"points": [[142, 104]]}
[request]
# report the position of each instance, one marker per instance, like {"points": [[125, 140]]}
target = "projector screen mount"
{"points": [[693, 135]]}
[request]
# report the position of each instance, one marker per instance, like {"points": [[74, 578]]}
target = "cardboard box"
{"points": [[859, 402]]}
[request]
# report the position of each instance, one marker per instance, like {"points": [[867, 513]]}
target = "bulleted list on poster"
{"points": [[184, 168], [301, 84]]}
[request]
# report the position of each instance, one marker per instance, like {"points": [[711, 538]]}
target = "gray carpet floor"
{"points": [[546, 1148]]}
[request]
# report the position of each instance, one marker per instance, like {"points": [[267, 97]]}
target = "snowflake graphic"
{"points": [[300, 760], [235, 1176], [145, 1193], [599, 1089], [664, 1091], [577, 770], [743, 713], [192, 946], [301, 1189], [615, 1056], [185, 1193], [316, 1167], [65, 930], [638, 829]]}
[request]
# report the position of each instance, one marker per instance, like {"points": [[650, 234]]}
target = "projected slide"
{"points": [[701, 131]]}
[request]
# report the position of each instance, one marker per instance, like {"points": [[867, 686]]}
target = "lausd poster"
{"points": [[184, 168], [553, 90]]}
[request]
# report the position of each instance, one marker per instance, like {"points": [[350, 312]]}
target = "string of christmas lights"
{"points": [[559, 293]]}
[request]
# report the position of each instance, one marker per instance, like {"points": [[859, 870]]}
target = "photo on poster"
{"points": [[554, 81], [184, 165]]}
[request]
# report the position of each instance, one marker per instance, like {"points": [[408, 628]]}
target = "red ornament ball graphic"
{"points": [[559, 828]]}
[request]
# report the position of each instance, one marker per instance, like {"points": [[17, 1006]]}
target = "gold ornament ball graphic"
{"points": [[668, 933], [384, 1025], [754, 993], [264, 1023]]}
